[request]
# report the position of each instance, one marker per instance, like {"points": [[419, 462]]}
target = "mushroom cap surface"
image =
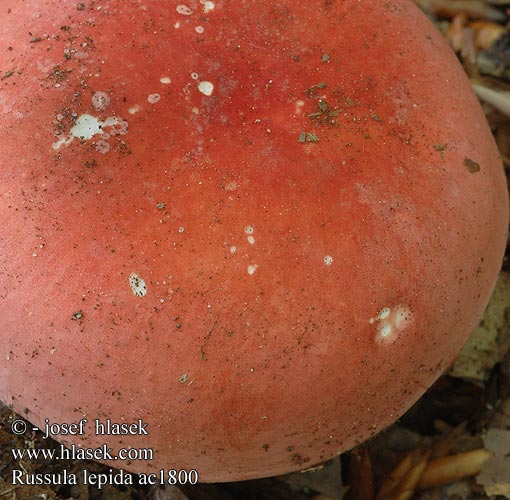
{"points": [[262, 228]]}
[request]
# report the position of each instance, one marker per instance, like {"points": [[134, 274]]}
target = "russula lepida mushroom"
{"points": [[262, 228]]}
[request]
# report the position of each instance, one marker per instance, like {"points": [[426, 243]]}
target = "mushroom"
{"points": [[258, 235]]}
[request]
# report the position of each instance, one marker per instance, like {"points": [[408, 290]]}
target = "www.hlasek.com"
{"points": [[100, 453]]}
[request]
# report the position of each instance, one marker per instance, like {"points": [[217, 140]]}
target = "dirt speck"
{"points": [[471, 165]]}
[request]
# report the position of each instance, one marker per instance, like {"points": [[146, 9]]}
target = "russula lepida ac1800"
{"points": [[263, 228]]}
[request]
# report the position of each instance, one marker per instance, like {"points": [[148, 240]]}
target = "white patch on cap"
{"points": [[184, 10], [137, 284], [102, 146], [208, 6], [134, 109], [382, 314], [153, 98], [100, 101], [385, 330], [328, 260], [165, 79], [61, 141], [118, 125], [252, 268], [390, 322], [87, 126], [299, 106], [205, 87], [199, 29], [402, 317]]}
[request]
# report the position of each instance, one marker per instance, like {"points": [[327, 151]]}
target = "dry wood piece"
{"points": [[468, 39], [486, 33], [360, 475], [401, 484], [444, 445], [456, 32], [477, 9], [417, 471], [499, 99], [448, 469]]}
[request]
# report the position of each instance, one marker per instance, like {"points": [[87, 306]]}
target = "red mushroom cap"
{"points": [[263, 228]]}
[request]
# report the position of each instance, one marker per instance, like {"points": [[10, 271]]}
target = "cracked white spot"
{"points": [[328, 260], [100, 101], [385, 330], [383, 314], [390, 322], [137, 284], [153, 98], [87, 126], [118, 125], [208, 6], [206, 87]]}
